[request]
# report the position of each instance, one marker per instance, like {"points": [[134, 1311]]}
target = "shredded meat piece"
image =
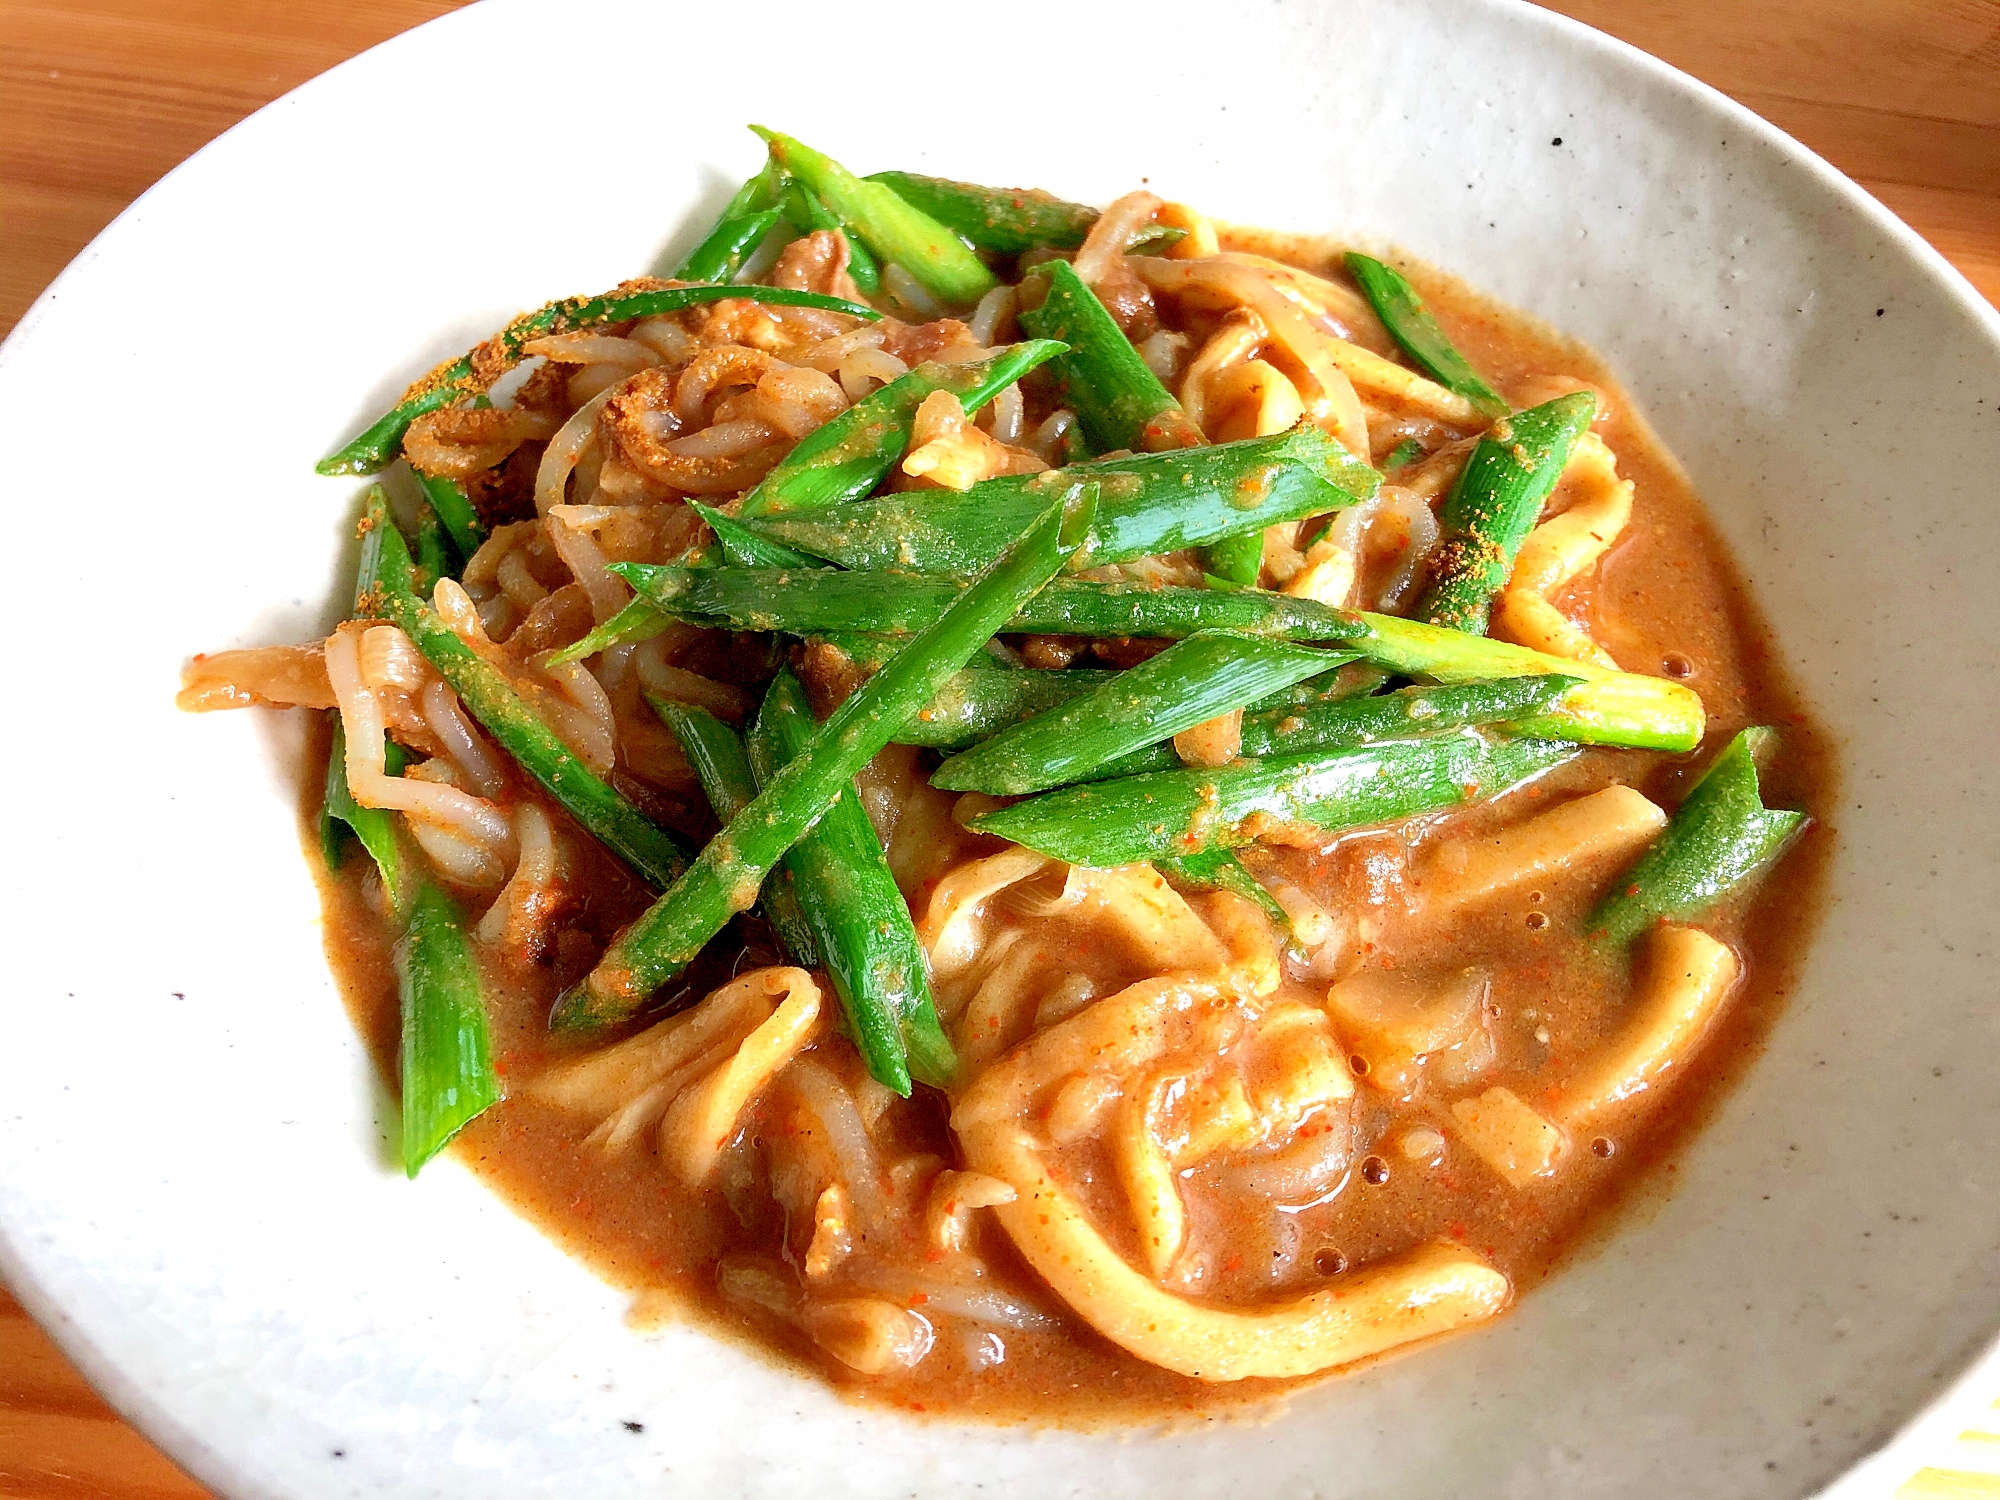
{"points": [[1051, 652], [1215, 742], [545, 389], [915, 343], [506, 493], [1123, 651], [490, 360], [741, 321], [817, 263], [1129, 302], [829, 674], [553, 622]]}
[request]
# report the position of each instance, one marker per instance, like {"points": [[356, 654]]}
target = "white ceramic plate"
{"points": [[193, 1189]]}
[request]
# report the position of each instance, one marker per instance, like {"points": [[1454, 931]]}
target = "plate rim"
{"points": [[208, 1462]]}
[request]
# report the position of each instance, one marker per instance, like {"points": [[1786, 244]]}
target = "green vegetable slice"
{"points": [[815, 601], [454, 508], [1335, 724], [1119, 402], [723, 767], [893, 229], [447, 1076], [490, 698], [858, 916], [373, 827], [981, 701], [750, 214], [1410, 324], [1610, 708], [637, 621], [1172, 814], [748, 548], [1005, 220], [1719, 839], [1495, 504], [1220, 870]]}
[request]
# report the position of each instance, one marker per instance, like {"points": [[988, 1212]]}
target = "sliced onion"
{"points": [[368, 780], [1111, 233], [996, 306], [467, 746], [552, 478]]}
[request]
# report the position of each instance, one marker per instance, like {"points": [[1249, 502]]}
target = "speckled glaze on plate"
{"points": [[194, 1191]]}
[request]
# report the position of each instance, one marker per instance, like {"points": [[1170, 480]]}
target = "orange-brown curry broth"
{"points": [[1666, 598]]}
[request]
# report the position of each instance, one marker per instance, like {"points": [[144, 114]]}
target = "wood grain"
{"points": [[58, 1440], [100, 98], [1902, 95]]}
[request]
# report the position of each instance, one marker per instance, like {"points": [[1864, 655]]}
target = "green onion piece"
{"points": [[433, 560], [720, 762], [749, 215], [748, 548], [1495, 504], [488, 696], [1189, 683], [374, 827], [988, 696], [859, 918], [454, 380], [719, 257], [725, 877], [1119, 402], [893, 229], [1221, 870], [332, 828], [1410, 324], [1153, 503], [1403, 455], [448, 1076], [1337, 723], [1171, 814], [847, 457], [637, 621], [1155, 239], [981, 701], [372, 528], [1236, 562], [1610, 708], [454, 508], [818, 601], [1720, 838], [1006, 220]]}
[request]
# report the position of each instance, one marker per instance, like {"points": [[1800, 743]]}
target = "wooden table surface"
{"points": [[99, 98]]}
